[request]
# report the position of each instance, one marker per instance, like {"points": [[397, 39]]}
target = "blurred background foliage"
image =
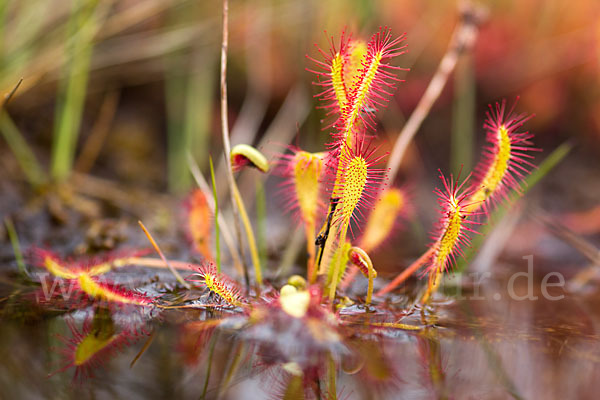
{"points": [[123, 89]]}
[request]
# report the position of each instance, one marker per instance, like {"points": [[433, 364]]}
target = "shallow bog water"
{"points": [[482, 343]]}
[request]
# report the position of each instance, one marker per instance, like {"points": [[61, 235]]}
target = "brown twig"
{"points": [[162, 256], [462, 39], [9, 95], [143, 349]]}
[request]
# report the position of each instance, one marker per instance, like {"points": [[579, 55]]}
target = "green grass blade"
{"points": [[200, 88], [463, 116], [188, 118], [216, 199], [73, 87], [178, 142], [261, 222], [213, 344], [14, 241], [21, 150], [190, 83]]}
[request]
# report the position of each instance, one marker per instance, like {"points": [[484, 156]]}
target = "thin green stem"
{"points": [[216, 213], [14, 241], [249, 233], [21, 150], [69, 111], [331, 378], [338, 261], [261, 222], [209, 361], [463, 115]]}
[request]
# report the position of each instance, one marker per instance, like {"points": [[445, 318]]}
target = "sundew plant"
{"points": [[346, 207], [356, 78]]}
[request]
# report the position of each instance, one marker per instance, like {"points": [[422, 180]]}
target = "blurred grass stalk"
{"points": [[188, 111], [82, 26], [189, 86], [216, 214], [261, 221], [14, 240], [21, 150], [463, 115]]}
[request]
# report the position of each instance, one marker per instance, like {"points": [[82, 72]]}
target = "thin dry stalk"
{"points": [[10, 94], [225, 132], [163, 258], [462, 39]]}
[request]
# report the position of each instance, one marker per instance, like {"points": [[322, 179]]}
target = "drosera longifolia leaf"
{"points": [[529, 182]]}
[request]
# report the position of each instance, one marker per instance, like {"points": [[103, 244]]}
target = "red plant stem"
{"points": [[407, 272]]}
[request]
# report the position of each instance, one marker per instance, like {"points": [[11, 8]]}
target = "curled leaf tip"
{"points": [[361, 259], [245, 155]]}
